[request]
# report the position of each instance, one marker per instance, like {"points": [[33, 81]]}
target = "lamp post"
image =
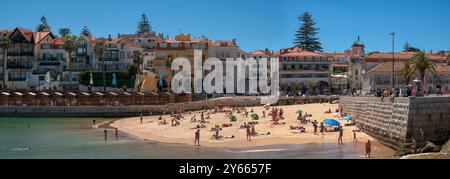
{"points": [[393, 60]]}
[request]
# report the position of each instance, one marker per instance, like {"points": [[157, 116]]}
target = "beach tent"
{"points": [[232, 118], [254, 116], [348, 118], [331, 122]]}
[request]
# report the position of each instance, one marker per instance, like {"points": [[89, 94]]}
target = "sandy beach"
{"points": [[151, 129]]}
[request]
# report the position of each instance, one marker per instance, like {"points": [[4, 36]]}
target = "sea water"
{"points": [[75, 138]]}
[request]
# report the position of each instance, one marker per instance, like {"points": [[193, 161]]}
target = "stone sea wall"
{"points": [[136, 110], [122, 111], [396, 124]]}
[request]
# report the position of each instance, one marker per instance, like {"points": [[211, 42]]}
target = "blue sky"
{"points": [[256, 24]]}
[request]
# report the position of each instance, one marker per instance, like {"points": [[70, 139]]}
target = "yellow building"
{"points": [[167, 50]]}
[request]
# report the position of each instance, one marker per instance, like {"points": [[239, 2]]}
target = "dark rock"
{"points": [[430, 147]]}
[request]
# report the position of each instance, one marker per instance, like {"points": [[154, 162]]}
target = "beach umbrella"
{"points": [[254, 116], [232, 118], [299, 111], [331, 122], [348, 118]]}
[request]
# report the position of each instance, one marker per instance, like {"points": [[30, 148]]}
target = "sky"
{"points": [[256, 24]]}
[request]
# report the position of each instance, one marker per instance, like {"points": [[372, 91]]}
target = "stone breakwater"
{"points": [[397, 124]]}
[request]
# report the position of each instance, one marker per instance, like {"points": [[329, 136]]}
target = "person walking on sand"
{"points": [[368, 148], [322, 128], [249, 136], [315, 127], [106, 135], [141, 119], [117, 134], [197, 138], [341, 135], [264, 114], [354, 136], [93, 123]]}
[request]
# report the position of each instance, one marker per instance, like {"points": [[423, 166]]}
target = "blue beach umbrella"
{"points": [[348, 118], [331, 122]]}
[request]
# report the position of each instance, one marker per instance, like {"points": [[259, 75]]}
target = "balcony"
{"points": [[49, 63], [19, 65], [15, 53], [16, 79]]}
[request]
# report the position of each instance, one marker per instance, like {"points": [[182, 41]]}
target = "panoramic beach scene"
{"points": [[174, 80]]}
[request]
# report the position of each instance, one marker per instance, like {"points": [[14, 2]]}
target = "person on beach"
{"points": [[117, 134], [281, 113], [249, 136], [414, 146], [422, 136], [202, 117], [264, 114], [315, 126], [141, 118], [341, 135], [93, 122], [322, 128], [197, 138], [368, 148], [106, 135], [216, 135], [253, 132], [354, 136]]}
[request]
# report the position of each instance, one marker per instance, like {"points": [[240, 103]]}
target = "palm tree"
{"points": [[407, 72], [99, 49], [69, 47], [4, 44], [169, 60], [422, 65], [138, 59]]}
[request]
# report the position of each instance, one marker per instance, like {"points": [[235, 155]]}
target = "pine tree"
{"points": [[406, 47], [306, 34], [85, 31], [144, 25], [64, 32], [43, 25], [409, 48]]}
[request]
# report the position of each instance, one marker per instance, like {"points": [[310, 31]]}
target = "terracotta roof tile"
{"points": [[400, 56], [386, 67]]}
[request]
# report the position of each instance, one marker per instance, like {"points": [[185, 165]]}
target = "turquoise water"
{"points": [[73, 138]]}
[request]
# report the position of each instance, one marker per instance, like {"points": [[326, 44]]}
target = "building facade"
{"points": [[170, 49], [379, 76], [306, 70]]}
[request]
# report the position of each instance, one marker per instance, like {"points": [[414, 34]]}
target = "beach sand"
{"points": [[279, 134]]}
